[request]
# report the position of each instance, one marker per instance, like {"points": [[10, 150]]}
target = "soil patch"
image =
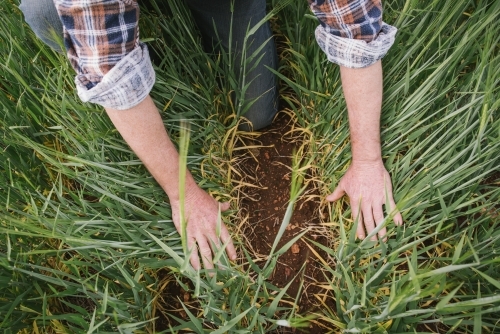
{"points": [[270, 167], [171, 297]]}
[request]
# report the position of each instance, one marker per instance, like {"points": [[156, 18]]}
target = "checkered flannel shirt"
{"points": [[114, 69]]}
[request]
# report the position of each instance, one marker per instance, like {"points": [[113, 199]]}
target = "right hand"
{"points": [[201, 212]]}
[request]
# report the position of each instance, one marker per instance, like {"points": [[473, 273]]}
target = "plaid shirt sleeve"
{"points": [[102, 42], [351, 32]]}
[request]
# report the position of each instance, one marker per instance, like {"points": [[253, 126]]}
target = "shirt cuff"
{"points": [[355, 53], [126, 85]]}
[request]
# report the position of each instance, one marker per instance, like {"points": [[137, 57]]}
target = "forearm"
{"points": [[358, 52], [363, 93], [143, 130], [114, 70], [366, 182]]}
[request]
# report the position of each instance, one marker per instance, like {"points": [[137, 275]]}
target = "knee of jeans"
{"points": [[261, 113], [42, 17]]}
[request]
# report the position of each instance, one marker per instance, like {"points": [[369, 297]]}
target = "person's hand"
{"points": [[368, 186], [201, 212]]}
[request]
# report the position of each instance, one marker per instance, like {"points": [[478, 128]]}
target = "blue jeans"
{"points": [[42, 17]]}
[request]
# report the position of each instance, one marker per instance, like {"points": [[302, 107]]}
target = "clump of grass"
{"points": [[440, 143], [86, 228], [86, 231]]}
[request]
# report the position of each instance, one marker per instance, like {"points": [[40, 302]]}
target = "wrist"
{"points": [[368, 151], [173, 191], [367, 160], [367, 163]]}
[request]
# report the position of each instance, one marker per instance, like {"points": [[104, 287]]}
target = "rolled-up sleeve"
{"points": [[351, 32], [102, 43]]}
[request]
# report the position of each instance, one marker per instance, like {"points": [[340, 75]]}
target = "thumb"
{"points": [[224, 206], [336, 195]]}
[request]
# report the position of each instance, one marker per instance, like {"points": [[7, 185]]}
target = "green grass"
{"points": [[86, 233], [440, 141]]}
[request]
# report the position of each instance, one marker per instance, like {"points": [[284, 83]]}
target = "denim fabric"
{"points": [[246, 14], [42, 16]]}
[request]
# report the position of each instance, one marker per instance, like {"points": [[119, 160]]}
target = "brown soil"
{"points": [[270, 167], [171, 296]]}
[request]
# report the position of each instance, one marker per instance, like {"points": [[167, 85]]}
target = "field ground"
{"points": [[87, 243]]}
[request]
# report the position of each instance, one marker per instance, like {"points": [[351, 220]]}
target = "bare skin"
{"points": [[143, 130], [366, 182]]}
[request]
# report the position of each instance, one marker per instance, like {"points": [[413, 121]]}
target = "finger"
{"points": [[205, 253], [366, 209], [336, 195], [357, 215], [225, 237], [194, 258], [397, 218], [215, 245], [225, 206], [378, 215]]}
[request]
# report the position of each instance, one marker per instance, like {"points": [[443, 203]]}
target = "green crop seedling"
{"points": [[87, 242]]}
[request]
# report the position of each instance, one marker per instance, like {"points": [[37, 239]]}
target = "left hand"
{"points": [[368, 185]]}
